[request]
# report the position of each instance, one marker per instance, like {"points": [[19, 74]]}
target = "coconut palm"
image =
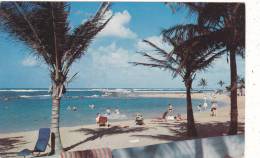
{"points": [[225, 24], [44, 28], [203, 83], [184, 62], [221, 83]]}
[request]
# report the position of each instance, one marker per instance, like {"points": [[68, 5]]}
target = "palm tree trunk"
{"points": [[191, 129], [234, 112], [56, 143]]}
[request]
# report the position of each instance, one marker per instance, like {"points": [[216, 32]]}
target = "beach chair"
{"points": [[103, 121], [41, 144], [91, 153]]}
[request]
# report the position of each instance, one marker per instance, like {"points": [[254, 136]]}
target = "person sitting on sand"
{"points": [[139, 120], [213, 109], [170, 114]]}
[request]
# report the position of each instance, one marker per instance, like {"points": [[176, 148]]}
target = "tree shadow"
{"points": [[178, 130], [100, 132], [9, 143], [225, 147]]}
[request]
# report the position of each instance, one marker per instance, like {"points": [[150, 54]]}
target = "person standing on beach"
{"points": [[214, 109], [205, 105]]}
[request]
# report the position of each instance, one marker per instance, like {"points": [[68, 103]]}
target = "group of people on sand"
{"points": [[169, 114], [213, 108], [106, 116]]}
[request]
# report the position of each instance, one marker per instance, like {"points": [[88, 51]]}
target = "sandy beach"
{"points": [[126, 134]]}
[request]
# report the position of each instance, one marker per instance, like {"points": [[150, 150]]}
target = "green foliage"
{"points": [[203, 83]]}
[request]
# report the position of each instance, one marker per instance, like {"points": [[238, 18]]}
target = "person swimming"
{"points": [[74, 108], [108, 111], [69, 108], [117, 111], [92, 106]]}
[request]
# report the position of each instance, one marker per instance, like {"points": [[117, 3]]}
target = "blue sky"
{"points": [[105, 64]]}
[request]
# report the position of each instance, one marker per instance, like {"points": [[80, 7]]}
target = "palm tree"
{"points": [[203, 83], [225, 24], [183, 62], [44, 28], [228, 88], [221, 83]]}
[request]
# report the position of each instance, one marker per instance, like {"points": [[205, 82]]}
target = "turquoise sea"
{"points": [[30, 109]]}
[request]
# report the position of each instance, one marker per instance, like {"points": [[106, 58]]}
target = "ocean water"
{"points": [[30, 109]]}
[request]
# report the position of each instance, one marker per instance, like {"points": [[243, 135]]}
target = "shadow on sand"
{"points": [[178, 130], [10, 143], [100, 132], [214, 147]]}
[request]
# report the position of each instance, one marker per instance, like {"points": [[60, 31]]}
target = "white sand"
{"points": [[91, 136]]}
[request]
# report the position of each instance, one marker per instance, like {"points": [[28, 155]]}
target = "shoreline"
{"points": [[91, 136], [142, 94]]}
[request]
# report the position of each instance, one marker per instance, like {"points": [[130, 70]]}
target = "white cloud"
{"points": [[108, 66], [112, 56], [29, 61], [117, 26]]}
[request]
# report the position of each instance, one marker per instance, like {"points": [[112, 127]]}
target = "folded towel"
{"points": [[93, 153]]}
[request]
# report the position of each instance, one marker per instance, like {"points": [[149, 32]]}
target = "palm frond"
{"points": [[44, 28], [84, 34]]}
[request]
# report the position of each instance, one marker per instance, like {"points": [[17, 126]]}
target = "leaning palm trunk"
{"points": [[57, 145], [56, 97], [191, 129], [233, 112]]}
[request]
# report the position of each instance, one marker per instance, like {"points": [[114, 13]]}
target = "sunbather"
{"points": [[178, 117]]}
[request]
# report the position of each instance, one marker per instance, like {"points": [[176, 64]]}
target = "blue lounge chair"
{"points": [[41, 144]]}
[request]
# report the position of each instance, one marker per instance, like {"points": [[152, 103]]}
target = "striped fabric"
{"points": [[93, 153]]}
